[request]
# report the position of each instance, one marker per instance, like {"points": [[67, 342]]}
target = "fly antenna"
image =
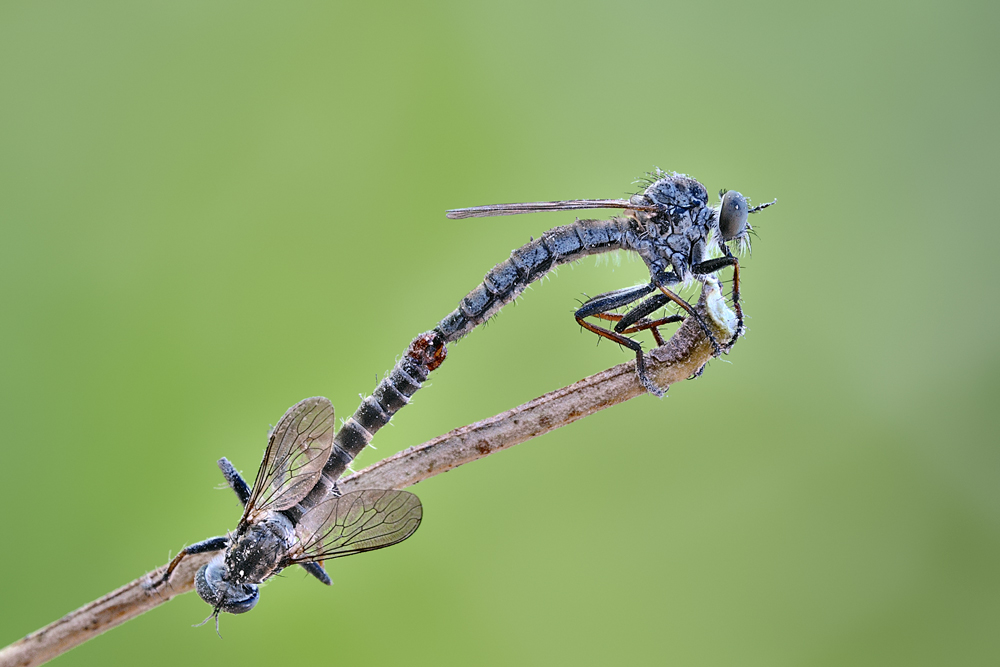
{"points": [[215, 615], [761, 207]]}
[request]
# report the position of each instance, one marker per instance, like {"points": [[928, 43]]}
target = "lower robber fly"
{"points": [[669, 225], [277, 530]]}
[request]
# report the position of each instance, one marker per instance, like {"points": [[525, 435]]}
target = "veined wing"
{"points": [[356, 522], [297, 450], [539, 206]]}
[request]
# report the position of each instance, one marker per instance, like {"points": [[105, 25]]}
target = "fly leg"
{"points": [[242, 491], [239, 486], [211, 544], [652, 326], [661, 281], [710, 266], [598, 307], [235, 480], [634, 320], [316, 570]]}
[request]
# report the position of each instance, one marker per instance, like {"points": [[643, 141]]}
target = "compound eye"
{"points": [[732, 215], [232, 598]]}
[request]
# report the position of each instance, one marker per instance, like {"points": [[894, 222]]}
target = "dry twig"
{"points": [[683, 356]]}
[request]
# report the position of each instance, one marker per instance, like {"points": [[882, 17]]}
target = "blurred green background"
{"points": [[209, 211]]}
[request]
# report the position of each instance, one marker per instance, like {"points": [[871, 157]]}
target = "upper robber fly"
{"points": [[670, 225]]}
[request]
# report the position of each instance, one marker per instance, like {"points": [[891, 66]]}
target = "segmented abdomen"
{"points": [[529, 263], [425, 353]]}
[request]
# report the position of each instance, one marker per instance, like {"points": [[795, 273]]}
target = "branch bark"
{"points": [[682, 356]]}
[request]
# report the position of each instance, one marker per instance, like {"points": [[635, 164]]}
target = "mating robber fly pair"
{"points": [[294, 514]]}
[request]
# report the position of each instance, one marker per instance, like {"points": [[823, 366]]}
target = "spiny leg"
{"points": [[736, 294], [673, 296], [635, 320], [598, 306], [235, 480], [211, 544], [602, 303], [711, 266], [316, 570], [647, 307], [653, 326], [642, 325], [242, 491], [640, 363]]}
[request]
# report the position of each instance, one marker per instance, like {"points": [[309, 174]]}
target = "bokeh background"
{"points": [[209, 211]]}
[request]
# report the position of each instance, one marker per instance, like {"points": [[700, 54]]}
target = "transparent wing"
{"points": [[356, 522], [539, 206], [297, 450]]}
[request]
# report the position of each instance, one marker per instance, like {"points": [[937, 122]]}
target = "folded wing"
{"points": [[356, 522], [297, 450], [540, 206]]}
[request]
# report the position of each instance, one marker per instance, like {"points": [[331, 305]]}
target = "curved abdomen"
{"points": [[531, 262], [425, 353]]}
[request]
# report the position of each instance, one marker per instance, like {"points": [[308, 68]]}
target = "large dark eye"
{"points": [[732, 215]]}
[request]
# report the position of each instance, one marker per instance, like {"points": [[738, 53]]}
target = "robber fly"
{"points": [[670, 225], [275, 532]]}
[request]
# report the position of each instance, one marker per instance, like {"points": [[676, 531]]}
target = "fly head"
{"points": [[733, 212], [214, 588]]}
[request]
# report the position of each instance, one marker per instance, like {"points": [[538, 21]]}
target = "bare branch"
{"points": [[90, 620], [682, 356]]}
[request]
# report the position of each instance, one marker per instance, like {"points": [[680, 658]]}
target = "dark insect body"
{"points": [[670, 225], [294, 514]]}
